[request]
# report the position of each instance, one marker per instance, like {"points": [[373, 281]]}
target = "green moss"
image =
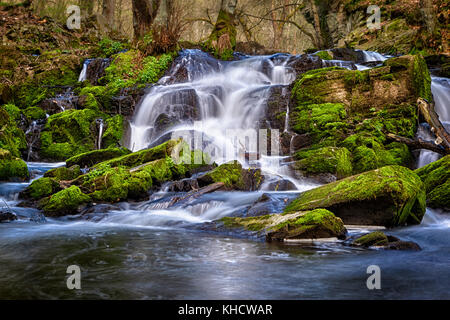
{"points": [[229, 173], [325, 160], [89, 159], [114, 131], [12, 168], [64, 173], [396, 185], [41, 188], [324, 55], [68, 133], [436, 177], [65, 202], [11, 137], [34, 113], [13, 111], [376, 238]]}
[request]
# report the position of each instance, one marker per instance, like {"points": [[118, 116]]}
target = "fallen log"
{"points": [[432, 118], [197, 193], [417, 143]]}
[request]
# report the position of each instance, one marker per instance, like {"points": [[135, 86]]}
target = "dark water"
{"points": [[144, 251]]}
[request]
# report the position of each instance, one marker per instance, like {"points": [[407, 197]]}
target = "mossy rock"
{"points": [[64, 173], [234, 177], [65, 202], [436, 177], [34, 113], [135, 159], [12, 168], [332, 160], [91, 158], [41, 188], [376, 238], [314, 224], [324, 55], [388, 196], [12, 138]]}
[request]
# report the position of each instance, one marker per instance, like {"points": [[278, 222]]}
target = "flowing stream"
{"points": [[157, 250]]}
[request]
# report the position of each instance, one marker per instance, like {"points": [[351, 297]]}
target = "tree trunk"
{"points": [[431, 117], [87, 8], [109, 12], [144, 13], [316, 17], [223, 37], [417, 143]]}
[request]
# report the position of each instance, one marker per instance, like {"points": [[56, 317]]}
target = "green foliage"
{"points": [[108, 47], [34, 113]]}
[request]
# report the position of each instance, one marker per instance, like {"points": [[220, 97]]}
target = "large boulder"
{"points": [[336, 107], [314, 224], [389, 196], [436, 177], [41, 188]]}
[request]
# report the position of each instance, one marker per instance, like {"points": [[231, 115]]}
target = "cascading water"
{"points": [[83, 74], [222, 95], [100, 133], [440, 88]]}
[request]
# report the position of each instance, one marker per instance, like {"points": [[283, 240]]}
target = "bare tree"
{"points": [[144, 13]]}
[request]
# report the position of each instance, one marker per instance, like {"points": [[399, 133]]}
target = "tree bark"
{"points": [[317, 27], [223, 37], [431, 117], [417, 143], [109, 12], [144, 13]]}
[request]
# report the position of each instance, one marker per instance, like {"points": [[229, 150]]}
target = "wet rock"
{"points": [[66, 202], [234, 177], [64, 173], [315, 224], [346, 54], [277, 106], [96, 70], [389, 196], [380, 240], [91, 158], [304, 62], [184, 185], [126, 102], [281, 185], [6, 216], [253, 48]]}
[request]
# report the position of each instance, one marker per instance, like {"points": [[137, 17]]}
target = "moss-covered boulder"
{"points": [[234, 177], [41, 188], [65, 202], [388, 196], [332, 160], [72, 132], [378, 239], [336, 107], [436, 177], [12, 168], [64, 173], [91, 158], [314, 224]]}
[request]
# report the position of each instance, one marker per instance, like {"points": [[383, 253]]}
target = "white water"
{"points": [[226, 96], [100, 133], [440, 88], [370, 56], [82, 76]]}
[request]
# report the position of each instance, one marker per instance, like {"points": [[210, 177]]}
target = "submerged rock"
{"points": [[436, 177], [314, 224], [6, 216], [380, 240], [389, 196]]}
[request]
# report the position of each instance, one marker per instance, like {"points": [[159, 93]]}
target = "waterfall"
{"points": [[100, 133], [440, 88], [370, 56], [83, 73], [216, 98]]}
